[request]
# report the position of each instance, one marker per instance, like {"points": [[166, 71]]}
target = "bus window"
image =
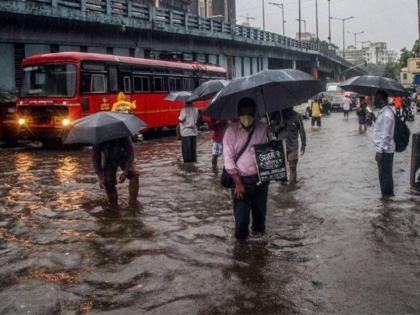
{"points": [[141, 84], [98, 83], [188, 84], [113, 79], [127, 84], [158, 84]]}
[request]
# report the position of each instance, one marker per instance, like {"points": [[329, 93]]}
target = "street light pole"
{"points": [[263, 14], [355, 37], [281, 6], [316, 12], [329, 22], [300, 19], [344, 32], [304, 24]]}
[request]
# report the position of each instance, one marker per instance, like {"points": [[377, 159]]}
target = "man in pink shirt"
{"points": [[248, 197]]}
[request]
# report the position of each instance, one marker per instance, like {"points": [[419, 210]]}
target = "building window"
{"points": [[98, 83]]}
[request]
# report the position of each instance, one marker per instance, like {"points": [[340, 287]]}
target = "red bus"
{"points": [[59, 88]]}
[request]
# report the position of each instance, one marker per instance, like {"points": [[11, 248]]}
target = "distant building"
{"points": [[406, 78], [306, 36], [376, 53], [222, 10], [180, 5], [355, 56]]}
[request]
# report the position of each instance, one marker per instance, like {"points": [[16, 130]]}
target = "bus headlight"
{"points": [[21, 121], [66, 122]]}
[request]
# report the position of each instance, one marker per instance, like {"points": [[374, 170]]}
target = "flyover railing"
{"points": [[159, 17]]}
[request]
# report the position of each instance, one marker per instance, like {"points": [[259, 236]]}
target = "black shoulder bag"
{"points": [[225, 179]]}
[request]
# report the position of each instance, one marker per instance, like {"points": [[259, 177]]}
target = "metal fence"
{"points": [[176, 19]]}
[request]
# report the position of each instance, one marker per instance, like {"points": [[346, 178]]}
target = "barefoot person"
{"points": [[107, 158]]}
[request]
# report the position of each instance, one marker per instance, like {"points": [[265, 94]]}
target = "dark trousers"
{"points": [[346, 113], [189, 149], [316, 120], [254, 203], [385, 174]]}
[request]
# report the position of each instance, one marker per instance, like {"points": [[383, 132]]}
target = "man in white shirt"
{"points": [[188, 127], [346, 106], [383, 139]]}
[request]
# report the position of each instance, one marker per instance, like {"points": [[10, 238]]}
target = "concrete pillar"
{"points": [[238, 67], [294, 64], [223, 61], [314, 72], [7, 66], [247, 66]]}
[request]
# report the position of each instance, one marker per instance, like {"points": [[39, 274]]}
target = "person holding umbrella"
{"points": [[248, 197], [110, 134], [107, 158]]}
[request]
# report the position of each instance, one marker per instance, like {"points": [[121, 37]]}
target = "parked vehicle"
{"points": [[8, 118], [337, 99], [59, 88]]}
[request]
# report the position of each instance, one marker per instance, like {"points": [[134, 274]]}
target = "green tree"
{"points": [[416, 49], [391, 70], [405, 54]]}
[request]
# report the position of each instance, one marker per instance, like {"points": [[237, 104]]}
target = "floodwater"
{"points": [[332, 245]]}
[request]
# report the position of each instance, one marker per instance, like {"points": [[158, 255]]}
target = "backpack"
{"points": [[401, 135]]}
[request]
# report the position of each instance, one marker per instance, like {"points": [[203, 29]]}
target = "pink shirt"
{"points": [[233, 141]]}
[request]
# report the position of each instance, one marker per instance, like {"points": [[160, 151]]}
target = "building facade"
{"points": [[371, 52]]}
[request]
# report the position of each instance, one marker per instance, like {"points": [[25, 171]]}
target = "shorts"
{"points": [[110, 173], [292, 158], [217, 148]]}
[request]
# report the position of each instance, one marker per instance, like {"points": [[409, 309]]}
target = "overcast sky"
{"points": [[391, 21]]}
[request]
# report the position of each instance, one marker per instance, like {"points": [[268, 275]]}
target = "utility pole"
{"points": [[344, 32], [355, 37], [316, 12], [281, 6], [248, 18], [304, 24], [300, 19], [329, 21], [418, 13], [263, 14]]}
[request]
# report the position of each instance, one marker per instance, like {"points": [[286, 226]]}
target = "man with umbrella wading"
{"points": [[248, 197], [107, 158]]}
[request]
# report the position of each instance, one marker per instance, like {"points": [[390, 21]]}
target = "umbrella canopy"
{"points": [[370, 84], [321, 95], [207, 90], [272, 90], [181, 96], [104, 126]]}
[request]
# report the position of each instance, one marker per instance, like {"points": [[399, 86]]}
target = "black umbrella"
{"points": [[321, 95], [370, 84], [272, 90], [207, 90], [104, 126], [181, 96]]}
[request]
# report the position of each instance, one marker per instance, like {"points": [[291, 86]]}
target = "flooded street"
{"points": [[332, 245]]}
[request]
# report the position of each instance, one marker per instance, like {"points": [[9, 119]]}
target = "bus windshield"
{"points": [[55, 80]]}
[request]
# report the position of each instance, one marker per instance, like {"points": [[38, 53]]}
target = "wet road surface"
{"points": [[332, 247]]}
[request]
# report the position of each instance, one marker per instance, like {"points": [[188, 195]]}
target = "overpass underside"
{"points": [[22, 35]]}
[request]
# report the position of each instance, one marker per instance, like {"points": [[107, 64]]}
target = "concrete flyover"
{"points": [[123, 27]]}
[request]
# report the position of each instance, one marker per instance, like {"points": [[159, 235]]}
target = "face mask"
{"points": [[246, 120]]}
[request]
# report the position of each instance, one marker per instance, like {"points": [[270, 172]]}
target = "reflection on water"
{"points": [[63, 249]]}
